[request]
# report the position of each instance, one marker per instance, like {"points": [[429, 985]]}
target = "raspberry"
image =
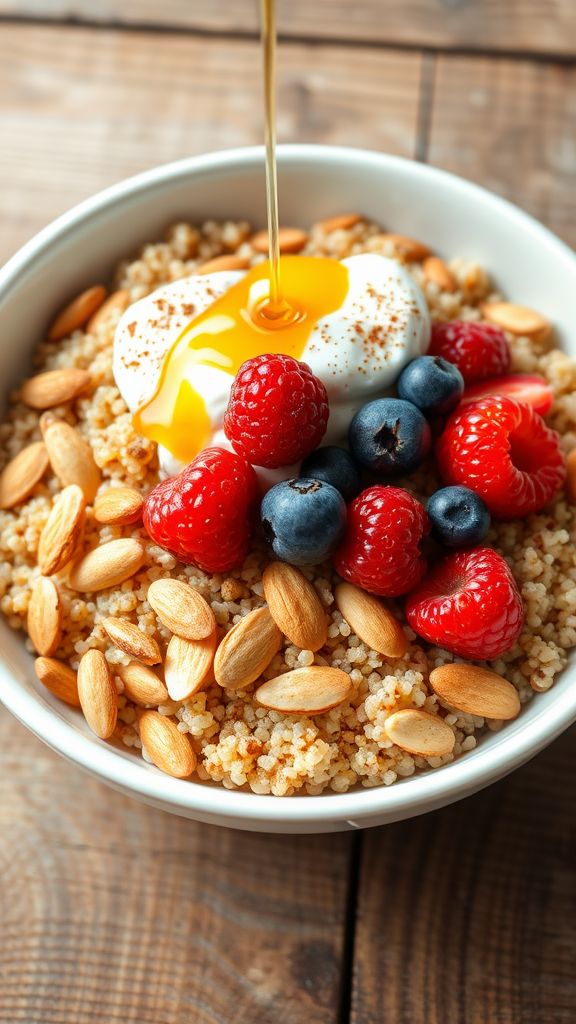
{"points": [[502, 450], [278, 411], [469, 604], [478, 350], [204, 515], [381, 548]]}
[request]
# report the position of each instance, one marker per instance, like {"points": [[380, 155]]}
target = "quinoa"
{"points": [[238, 743]]}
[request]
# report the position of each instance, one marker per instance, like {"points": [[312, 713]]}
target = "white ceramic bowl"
{"points": [[527, 262]]}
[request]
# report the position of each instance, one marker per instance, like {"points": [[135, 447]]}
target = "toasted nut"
{"points": [[295, 606], [141, 684], [77, 312], [305, 691], [70, 455], [130, 639], [341, 222], [181, 609], [59, 678], [54, 387], [571, 476], [420, 733], [223, 263], [517, 319], [118, 506], [408, 249], [115, 304], [289, 240], [247, 650], [45, 616], [188, 665], [371, 621], [19, 478], [107, 566], [232, 589], [97, 693], [478, 691], [435, 270], [61, 535], [168, 748]]}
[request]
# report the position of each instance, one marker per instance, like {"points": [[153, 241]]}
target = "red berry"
{"points": [[278, 411], [381, 548], [504, 451], [204, 515], [478, 350], [468, 604], [524, 387]]}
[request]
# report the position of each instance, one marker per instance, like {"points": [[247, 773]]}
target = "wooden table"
{"points": [[110, 911]]}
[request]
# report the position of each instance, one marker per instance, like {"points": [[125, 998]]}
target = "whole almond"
{"points": [[181, 609], [408, 249], [107, 565], [61, 535], [295, 606], [290, 240], [54, 387], [517, 319], [132, 640], [77, 312], [141, 684], [59, 678], [341, 222], [168, 748], [247, 650], [305, 691], [19, 478], [115, 304], [70, 455], [436, 271], [475, 690], [45, 616], [571, 476], [188, 665], [118, 506], [97, 693], [371, 621], [418, 732], [223, 263]]}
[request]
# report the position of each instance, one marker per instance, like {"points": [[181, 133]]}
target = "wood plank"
{"points": [[81, 109], [469, 914]]}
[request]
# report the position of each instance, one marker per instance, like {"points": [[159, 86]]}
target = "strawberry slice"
{"points": [[524, 387]]}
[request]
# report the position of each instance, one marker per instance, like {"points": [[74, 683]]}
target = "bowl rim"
{"points": [[414, 795]]}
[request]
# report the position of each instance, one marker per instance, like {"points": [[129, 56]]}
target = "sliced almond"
{"points": [[59, 678], [107, 565], [188, 665], [289, 240], [475, 690], [408, 249], [132, 640], [118, 506], [19, 478], [305, 691], [418, 732], [295, 606], [342, 222], [371, 621], [70, 455], [97, 693], [436, 271], [115, 304], [54, 387], [141, 684], [571, 476], [61, 535], [45, 616], [247, 650], [223, 263], [168, 748], [181, 609], [517, 319], [77, 312]]}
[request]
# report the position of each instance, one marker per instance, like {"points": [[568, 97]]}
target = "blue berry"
{"points": [[431, 383], [459, 517], [303, 520], [389, 437], [334, 466]]}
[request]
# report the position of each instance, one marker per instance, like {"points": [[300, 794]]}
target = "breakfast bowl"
{"points": [[526, 263]]}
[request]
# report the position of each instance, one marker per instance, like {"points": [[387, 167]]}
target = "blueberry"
{"points": [[303, 520], [389, 437], [459, 517], [431, 383], [334, 466]]}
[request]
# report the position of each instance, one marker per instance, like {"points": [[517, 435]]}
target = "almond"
{"points": [[45, 616], [289, 240], [571, 476], [141, 684], [107, 565], [77, 312], [61, 535], [70, 455], [19, 478], [59, 678], [188, 665], [247, 650], [371, 621], [168, 748], [118, 506], [223, 263], [181, 609], [54, 387], [436, 271], [342, 222], [295, 606], [517, 319], [420, 733], [475, 690], [132, 640], [114, 305], [97, 693], [305, 691], [409, 249]]}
